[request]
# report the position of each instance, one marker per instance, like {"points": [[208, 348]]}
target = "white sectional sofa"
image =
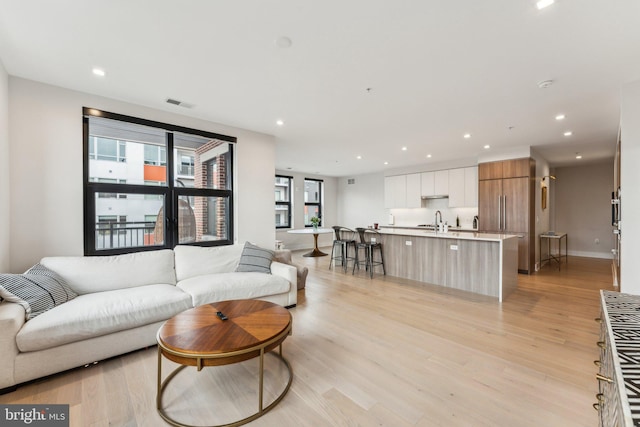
{"points": [[122, 301]]}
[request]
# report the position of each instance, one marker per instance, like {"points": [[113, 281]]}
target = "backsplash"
{"points": [[427, 214]]}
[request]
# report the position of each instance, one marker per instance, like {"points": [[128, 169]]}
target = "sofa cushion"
{"points": [[38, 290], [106, 273], [102, 313], [192, 261], [224, 286], [255, 259]]}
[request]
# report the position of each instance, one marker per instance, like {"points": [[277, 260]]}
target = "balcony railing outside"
{"points": [[115, 235]]}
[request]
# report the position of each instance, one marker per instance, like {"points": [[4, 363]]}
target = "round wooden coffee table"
{"points": [[199, 337]]}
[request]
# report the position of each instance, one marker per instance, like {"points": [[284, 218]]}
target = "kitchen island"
{"points": [[482, 263]]}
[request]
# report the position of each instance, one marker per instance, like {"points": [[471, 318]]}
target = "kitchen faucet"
{"points": [[438, 213]]}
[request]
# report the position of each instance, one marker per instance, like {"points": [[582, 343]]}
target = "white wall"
{"points": [[362, 203], [630, 196], [506, 153], [542, 216], [435, 166], [330, 207], [46, 206], [5, 165], [583, 208]]}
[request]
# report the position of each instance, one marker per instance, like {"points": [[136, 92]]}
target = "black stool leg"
{"points": [[355, 262]]}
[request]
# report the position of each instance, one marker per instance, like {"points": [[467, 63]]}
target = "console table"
{"points": [[558, 255]]}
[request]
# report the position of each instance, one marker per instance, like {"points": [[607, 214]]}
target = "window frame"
{"points": [[288, 204], [171, 192], [318, 203]]}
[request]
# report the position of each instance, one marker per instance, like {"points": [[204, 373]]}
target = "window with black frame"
{"points": [[283, 186], [312, 201], [151, 185]]}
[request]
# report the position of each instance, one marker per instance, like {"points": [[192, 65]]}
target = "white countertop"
{"points": [[414, 232], [409, 227]]}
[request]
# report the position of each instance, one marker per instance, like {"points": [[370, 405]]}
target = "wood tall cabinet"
{"points": [[506, 204]]}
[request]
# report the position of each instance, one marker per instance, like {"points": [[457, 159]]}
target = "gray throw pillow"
{"points": [[255, 259], [37, 290]]}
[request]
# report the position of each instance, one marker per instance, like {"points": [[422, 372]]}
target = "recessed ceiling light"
{"points": [[279, 122], [578, 156], [386, 163], [568, 133], [404, 148], [560, 117], [466, 136], [486, 147], [358, 157], [544, 3], [428, 156], [99, 72]]}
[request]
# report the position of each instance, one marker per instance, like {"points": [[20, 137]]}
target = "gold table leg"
{"points": [[261, 411]]}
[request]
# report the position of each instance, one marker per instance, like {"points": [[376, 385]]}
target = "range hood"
{"points": [[436, 196]]}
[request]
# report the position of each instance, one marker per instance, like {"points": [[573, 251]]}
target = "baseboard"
{"points": [[8, 389], [587, 254]]}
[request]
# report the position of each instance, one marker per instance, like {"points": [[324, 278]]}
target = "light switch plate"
{"points": [[408, 242], [454, 247]]}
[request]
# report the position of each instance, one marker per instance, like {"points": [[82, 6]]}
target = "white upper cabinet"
{"points": [[427, 187], [395, 191], [441, 186], [402, 191], [413, 191], [456, 188], [463, 187], [471, 186], [406, 191]]}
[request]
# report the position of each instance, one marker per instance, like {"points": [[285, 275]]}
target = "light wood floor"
{"points": [[382, 352]]}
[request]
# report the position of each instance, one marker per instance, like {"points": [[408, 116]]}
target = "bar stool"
{"points": [[344, 238], [369, 241]]}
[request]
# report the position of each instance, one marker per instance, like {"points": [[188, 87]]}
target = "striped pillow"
{"points": [[37, 290], [255, 259]]}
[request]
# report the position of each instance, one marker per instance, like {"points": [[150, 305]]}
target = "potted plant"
{"points": [[315, 221]]}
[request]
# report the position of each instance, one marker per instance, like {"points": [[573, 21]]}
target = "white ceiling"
{"points": [[436, 69]]}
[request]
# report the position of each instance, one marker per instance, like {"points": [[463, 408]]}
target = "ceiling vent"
{"points": [[179, 103], [351, 181]]}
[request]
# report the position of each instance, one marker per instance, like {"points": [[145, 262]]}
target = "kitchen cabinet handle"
{"points": [[600, 397], [598, 319], [596, 406], [603, 378], [504, 212], [499, 212], [597, 363], [602, 345]]}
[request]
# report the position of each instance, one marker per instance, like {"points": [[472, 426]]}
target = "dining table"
{"points": [[315, 231]]}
